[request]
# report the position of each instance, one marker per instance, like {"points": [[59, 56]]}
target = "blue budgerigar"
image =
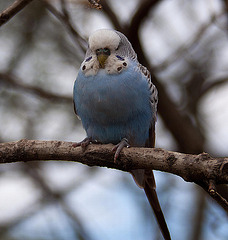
{"points": [[117, 103]]}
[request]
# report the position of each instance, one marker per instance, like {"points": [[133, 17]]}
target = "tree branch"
{"points": [[12, 10], [142, 13], [188, 46], [66, 20], [106, 8], [211, 85], [95, 4], [12, 81], [201, 169]]}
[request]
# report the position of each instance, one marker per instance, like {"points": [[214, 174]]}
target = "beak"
{"points": [[102, 55], [102, 58]]}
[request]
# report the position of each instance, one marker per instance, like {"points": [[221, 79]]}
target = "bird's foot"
{"points": [[84, 143], [118, 148]]}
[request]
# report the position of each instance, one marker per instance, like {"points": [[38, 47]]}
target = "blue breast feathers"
{"points": [[114, 106]]}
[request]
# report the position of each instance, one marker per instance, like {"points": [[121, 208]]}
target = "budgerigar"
{"points": [[117, 103]]}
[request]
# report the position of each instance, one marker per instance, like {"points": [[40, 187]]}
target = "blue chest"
{"points": [[114, 106]]}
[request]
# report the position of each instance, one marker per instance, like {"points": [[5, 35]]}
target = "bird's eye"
{"points": [[106, 51], [98, 51]]}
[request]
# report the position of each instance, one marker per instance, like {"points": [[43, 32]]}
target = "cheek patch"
{"points": [[115, 65], [120, 58], [90, 66], [88, 59]]}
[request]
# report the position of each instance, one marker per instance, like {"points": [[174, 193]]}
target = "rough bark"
{"points": [[201, 169]]}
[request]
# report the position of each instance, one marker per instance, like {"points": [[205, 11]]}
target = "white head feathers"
{"points": [[104, 38]]}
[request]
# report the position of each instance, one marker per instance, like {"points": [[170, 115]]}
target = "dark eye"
{"points": [[106, 51], [98, 51]]}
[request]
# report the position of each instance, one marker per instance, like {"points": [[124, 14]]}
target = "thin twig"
{"points": [[211, 85], [58, 196], [182, 50], [95, 4], [11, 81], [65, 19], [12, 10]]}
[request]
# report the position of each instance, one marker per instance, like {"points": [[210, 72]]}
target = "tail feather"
{"points": [[145, 179], [153, 200]]}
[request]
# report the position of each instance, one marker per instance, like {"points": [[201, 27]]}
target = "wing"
{"points": [[145, 178], [75, 110], [74, 102], [153, 102]]}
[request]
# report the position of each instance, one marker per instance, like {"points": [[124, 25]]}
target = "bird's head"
{"points": [[103, 43], [109, 50]]}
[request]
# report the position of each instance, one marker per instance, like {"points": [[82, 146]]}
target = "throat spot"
{"points": [[115, 65]]}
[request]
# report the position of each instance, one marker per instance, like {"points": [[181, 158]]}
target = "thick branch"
{"points": [[201, 169], [192, 168], [12, 10], [107, 9], [142, 13]]}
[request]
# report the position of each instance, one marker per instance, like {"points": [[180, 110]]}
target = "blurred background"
{"points": [[185, 46]]}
